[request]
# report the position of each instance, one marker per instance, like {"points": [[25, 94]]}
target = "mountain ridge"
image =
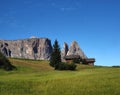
{"points": [[37, 48]]}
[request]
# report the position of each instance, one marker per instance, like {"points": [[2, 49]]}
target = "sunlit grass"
{"points": [[38, 78]]}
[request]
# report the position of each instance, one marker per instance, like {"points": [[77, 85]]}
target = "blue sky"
{"points": [[94, 24]]}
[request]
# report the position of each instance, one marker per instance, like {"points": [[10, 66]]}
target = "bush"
{"points": [[76, 60], [84, 62], [5, 63], [72, 66], [66, 66]]}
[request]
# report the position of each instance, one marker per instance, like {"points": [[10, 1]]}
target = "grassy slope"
{"points": [[38, 78]]}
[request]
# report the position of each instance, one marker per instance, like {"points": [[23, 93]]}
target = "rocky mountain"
{"points": [[73, 50], [37, 48], [33, 48], [76, 50]]}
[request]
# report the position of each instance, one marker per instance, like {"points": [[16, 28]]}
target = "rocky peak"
{"points": [[75, 50], [65, 49]]}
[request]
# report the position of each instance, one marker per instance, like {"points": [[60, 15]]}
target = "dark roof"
{"points": [[68, 57], [90, 60]]}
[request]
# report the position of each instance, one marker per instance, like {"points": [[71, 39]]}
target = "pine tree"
{"points": [[55, 59]]}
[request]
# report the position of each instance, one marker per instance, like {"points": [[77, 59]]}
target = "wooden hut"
{"points": [[70, 58], [90, 61]]}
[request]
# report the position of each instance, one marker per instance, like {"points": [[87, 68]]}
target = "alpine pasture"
{"points": [[38, 78]]}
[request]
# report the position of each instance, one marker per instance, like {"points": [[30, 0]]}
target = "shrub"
{"points": [[84, 62], [67, 66], [72, 66], [76, 60]]}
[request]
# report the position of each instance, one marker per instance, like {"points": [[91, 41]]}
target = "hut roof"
{"points": [[68, 57], [90, 60]]}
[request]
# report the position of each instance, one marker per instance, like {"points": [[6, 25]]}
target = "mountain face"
{"points": [[73, 50], [33, 48]]}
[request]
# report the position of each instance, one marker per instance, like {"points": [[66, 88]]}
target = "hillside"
{"points": [[38, 78]]}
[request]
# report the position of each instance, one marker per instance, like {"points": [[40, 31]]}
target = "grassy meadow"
{"points": [[38, 78]]}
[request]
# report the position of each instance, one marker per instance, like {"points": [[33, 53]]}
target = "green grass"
{"points": [[38, 78]]}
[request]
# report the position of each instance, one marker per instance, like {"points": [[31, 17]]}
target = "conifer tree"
{"points": [[55, 59]]}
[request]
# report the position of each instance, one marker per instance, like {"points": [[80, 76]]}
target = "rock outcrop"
{"points": [[76, 50], [73, 51], [64, 51], [33, 48]]}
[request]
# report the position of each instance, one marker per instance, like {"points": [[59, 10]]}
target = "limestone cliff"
{"points": [[33, 48], [76, 50]]}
